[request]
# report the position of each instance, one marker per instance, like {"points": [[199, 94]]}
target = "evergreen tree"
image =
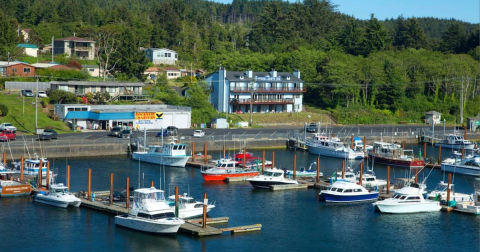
{"points": [[453, 39], [351, 37], [413, 36], [131, 62], [376, 36]]}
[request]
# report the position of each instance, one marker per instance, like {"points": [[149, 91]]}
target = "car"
{"points": [[42, 94], [115, 131], [48, 134], [7, 126], [124, 134], [29, 93], [198, 133], [7, 135], [312, 127], [172, 130], [165, 133]]}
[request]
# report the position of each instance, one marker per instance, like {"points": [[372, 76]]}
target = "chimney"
{"points": [[273, 73], [296, 73], [249, 73]]}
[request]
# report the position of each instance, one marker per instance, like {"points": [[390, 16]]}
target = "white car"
{"points": [[42, 94], [7, 126], [198, 133]]}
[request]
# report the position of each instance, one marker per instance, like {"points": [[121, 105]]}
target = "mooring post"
{"points": [[318, 169], [128, 194], [364, 145], [89, 191], [205, 203], [4, 159], [244, 154], [463, 151], [68, 177], [388, 179], [361, 172], [353, 146], [263, 161], [416, 176], [439, 154], [152, 184], [22, 160], [47, 179], [176, 201], [40, 171], [424, 151], [403, 144], [294, 166], [205, 153], [273, 159], [448, 187], [343, 168], [193, 151]]}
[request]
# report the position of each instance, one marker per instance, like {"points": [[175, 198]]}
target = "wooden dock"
{"points": [[194, 227], [243, 229], [198, 230], [216, 220], [104, 206], [446, 208], [288, 187], [435, 166], [237, 179]]}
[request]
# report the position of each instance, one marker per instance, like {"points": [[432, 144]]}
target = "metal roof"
{"points": [[236, 76], [99, 83], [27, 46]]}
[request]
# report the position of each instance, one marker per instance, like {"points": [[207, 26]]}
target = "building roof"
{"points": [[257, 77], [171, 69], [12, 63], [99, 115], [76, 39], [130, 108], [44, 65], [27, 46], [26, 30], [99, 83], [153, 69], [158, 49], [433, 113]]}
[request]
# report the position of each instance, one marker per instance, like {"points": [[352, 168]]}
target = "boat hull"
{"points": [[408, 207], [164, 226], [461, 169], [222, 176], [398, 162], [265, 184], [337, 198], [456, 146], [176, 161], [51, 201], [193, 212], [336, 154], [15, 190]]}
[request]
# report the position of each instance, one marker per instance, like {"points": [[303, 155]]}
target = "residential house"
{"points": [[235, 92], [161, 56], [433, 117], [75, 46], [29, 49], [172, 72], [93, 70], [16, 69], [114, 88], [153, 72]]}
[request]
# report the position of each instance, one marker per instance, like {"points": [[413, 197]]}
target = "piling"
{"points": [[343, 168], [47, 180], [22, 159], [205, 153], [68, 177], [152, 184], [318, 170], [5, 159], [352, 146], [263, 161], [361, 172], [416, 176], [388, 179], [273, 159], [205, 202], [89, 191], [463, 151], [424, 151], [439, 154], [244, 154], [111, 189], [448, 187], [40, 171], [294, 166], [176, 201], [193, 151], [403, 144], [127, 205]]}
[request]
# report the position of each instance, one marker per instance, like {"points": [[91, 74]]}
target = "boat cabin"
{"points": [[454, 139], [171, 149], [392, 151], [407, 198], [32, 165], [148, 199], [273, 173], [58, 189]]}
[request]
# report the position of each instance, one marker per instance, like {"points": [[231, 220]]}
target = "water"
{"points": [[292, 220]]}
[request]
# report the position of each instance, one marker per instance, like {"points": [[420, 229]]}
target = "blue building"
{"points": [[235, 92]]}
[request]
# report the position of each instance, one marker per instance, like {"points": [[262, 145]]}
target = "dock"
{"points": [[237, 179], [288, 187], [115, 208], [194, 227], [446, 208]]}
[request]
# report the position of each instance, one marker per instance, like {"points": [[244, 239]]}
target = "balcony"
{"points": [[261, 101], [269, 90], [82, 48]]}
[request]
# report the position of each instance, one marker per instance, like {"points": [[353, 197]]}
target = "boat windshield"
{"points": [[154, 196], [157, 216], [61, 190], [272, 174]]}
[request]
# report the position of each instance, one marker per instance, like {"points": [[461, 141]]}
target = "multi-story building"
{"points": [[79, 47], [236, 92], [161, 56]]}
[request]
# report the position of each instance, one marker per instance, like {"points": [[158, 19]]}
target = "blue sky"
{"points": [[465, 10]]}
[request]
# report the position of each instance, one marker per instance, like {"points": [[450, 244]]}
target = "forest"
{"points": [[361, 71]]}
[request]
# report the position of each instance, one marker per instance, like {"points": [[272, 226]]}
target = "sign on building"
{"points": [[145, 116]]}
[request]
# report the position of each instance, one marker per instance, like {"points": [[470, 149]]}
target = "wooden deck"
{"points": [[288, 187], [215, 220], [196, 229], [116, 208], [237, 179]]}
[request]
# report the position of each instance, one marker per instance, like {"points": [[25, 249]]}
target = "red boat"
{"points": [[394, 155], [226, 170]]}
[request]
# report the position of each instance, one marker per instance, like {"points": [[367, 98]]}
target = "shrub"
{"points": [[3, 110]]}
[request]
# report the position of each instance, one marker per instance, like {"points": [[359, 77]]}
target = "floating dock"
{"points": [[288, 187], [237, 179]]}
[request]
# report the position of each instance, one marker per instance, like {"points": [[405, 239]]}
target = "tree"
{"points": [[74, 64], [453, 39], [8, 36], [131, 61], [351, 37], [108, 43], [62, 97], [413, 36], [376, 36], [3, 110]]}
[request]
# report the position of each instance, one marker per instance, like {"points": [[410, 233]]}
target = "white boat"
{"points": [[369, 180], [456, 157], [468, 166], [150, 213], [472, 207], [344, 192], [188, 207], [337, 176], [440, 193], [358, 145], [171, 154], [408, 199], [302, 172], [457, 142], [271, 177], [324, 146], [58, 196]]}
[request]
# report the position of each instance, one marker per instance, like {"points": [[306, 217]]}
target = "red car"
{"points": [[7, 135]]}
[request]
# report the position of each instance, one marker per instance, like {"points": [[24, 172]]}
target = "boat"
{"points": [[225, 170], [32, 166], [440, 193], [171, 154], [342, 191], [304, 172], [256, 164], [11, 188], [150, 213], [58, 196], [322, 145], [454, 141], [408, 199], [188, 207], [337, 176], [358, 145], [456, 157], [468, 166], [394, 155], [473, 206], [369, 180], [271, 177]]}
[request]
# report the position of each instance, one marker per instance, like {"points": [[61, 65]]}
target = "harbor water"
{"points": [[291, 220]]}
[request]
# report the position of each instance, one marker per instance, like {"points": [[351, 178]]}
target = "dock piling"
{"points": [[463, 152], [263, 161], [68, 177], [47, 180], [89, 191], [424, 151], [40, 171], [361, 172], [193, 151], [111, 188], [127, 205], [152, 184], [22, 159], [4, 159], [273, 159], [352, 145], [364, 145], [318, 169], [224, 151], [448, 187], [176, 201], [205, 203], [343, 168], [403, 144], [205, 153], [294, 166], [439, 154], [416, 176], [388, 179]]}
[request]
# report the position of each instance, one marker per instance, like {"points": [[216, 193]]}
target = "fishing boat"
{"points": [[473, 206], [188, 207], [358, 145], [11, 188], [150, 213], [342, 191], [440, 193], [322, 145], [338, 176], [394, 155], [369, 180], [457, 142], [271, 177], [225, 170], [408, 199], [468, 166], [302, 172], [32, 166], [171, 154], [58, 196]]}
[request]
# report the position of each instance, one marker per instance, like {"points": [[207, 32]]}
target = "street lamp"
{"points": [[251, 102]]}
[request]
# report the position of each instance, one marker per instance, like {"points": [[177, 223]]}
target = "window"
{"points": [[14, 70], [158, 55], [94, 89], [111, 89], [91, 69], [26, 69]]}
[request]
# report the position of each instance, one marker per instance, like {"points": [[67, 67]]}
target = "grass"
{"points": [[298, 118], [26, 123]]}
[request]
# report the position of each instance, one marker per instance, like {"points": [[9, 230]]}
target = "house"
{"points": [[75, 46], [114, 88], [161, 56], [432, 116], [172, 72], [8, 69], [29, 49], [235, 92], [93, 70], [153, 72]]}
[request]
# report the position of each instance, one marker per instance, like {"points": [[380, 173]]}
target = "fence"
{"points": [[18, 85]]}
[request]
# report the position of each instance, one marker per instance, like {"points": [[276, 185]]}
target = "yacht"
{"points": [[408, 199], [358, 145], [394, 155], [454, 141], [171, 154], [468, 166], [11, 188], [302, 172], [342, 191], [226, 169], [188, 207], [58, 196], [324, 146], [369, 180], [440, 193], [337, 176], [271, 177], [150, 213]]}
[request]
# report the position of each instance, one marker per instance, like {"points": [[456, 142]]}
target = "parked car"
{"points": [[7, 135], [165, 133], [7, 126], [198, 133], [124, 134], [312, 127], [115, 131], [172, 130], [42, 94], [48, 134], [29, 93]]}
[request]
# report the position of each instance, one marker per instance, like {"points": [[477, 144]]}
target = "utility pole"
{"points": [[52, 48], [251, 103], [36, 108], [461, 105]]}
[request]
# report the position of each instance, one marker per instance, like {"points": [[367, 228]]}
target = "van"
{"points": [[312, 127]]}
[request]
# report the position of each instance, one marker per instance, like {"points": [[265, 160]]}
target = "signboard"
{"points": [[145, 116], [268, 78], [158, 115], [477, 123]]}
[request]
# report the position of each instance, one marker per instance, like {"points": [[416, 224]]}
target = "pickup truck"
{"points": [[7, 135], [7, 126]]}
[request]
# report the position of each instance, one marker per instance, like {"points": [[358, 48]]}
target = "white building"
{"points": [[433, 116], [93, 70], [79, 47], [29, 49], [161, 56]]}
